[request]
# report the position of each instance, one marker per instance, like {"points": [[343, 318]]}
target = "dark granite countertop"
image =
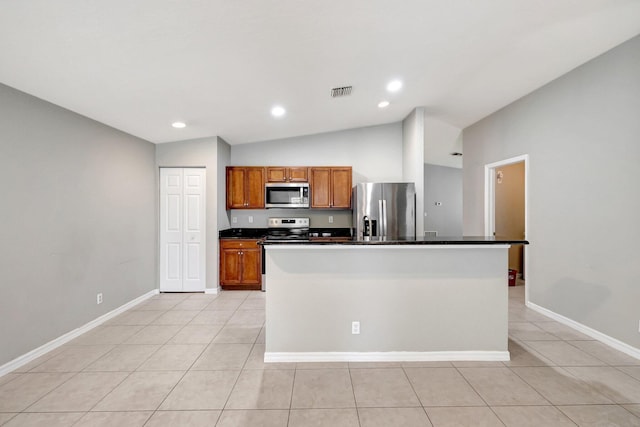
{"points": [[439, 240], [242, 233], [259, 233]]}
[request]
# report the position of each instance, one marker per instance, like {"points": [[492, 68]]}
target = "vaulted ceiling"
{"points": [[221, 65]]}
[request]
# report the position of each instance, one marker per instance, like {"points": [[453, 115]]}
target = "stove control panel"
{"points": [[288, 223]]}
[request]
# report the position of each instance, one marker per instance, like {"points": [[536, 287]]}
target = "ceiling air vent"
{"points": [[341, 91]]}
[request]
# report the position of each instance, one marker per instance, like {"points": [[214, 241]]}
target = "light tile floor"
{"points": [[196, 360]]}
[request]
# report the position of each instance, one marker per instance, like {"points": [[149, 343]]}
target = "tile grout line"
{"points": [[353, 391], [416, 393], [478, 393], [293, 385]]}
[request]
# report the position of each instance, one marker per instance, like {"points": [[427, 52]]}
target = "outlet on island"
{"points": [[355, 328]]}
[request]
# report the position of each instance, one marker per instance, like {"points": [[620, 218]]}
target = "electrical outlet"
{"points": [[250, 219], [234, 219], [355, 328], [99, 298], [330, 219]]}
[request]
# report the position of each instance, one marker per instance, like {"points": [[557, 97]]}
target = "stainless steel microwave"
{"points": [[286, 195]]}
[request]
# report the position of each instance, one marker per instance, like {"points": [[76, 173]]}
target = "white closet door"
{"points": [[182, 229], [194, 232]]}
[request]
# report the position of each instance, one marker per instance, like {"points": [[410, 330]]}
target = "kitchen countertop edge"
{"points": [[455, 240]]}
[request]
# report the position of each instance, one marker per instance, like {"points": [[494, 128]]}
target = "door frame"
{"points": [[490, 205]]}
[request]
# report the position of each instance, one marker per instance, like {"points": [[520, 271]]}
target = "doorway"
{"points": [[182, 229], [506, 207]]}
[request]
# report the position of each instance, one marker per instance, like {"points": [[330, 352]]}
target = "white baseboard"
{"points": [[387, 356], [597, 335], [53, 344], [211, 290]]}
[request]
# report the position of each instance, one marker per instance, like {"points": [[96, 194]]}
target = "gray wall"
{"points": [[443, 184], [374, 153], [77, 217], [199, 153], [224, 160], [581, 132]]}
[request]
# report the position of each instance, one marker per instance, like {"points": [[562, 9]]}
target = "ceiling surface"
{"points": [[220, 65]]}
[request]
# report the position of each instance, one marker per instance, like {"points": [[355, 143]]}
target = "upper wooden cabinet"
{"points": [[245, 187], [287, 174], [330, 187]]}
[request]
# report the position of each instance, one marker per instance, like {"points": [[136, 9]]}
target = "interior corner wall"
{"points": [[78, 217], [413, 160], [581, 134], [198, 153]]}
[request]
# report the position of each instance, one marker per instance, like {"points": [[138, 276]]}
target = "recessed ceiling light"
{"points": [[394, 86], [383, 104], [278, 111], [179, 125]]}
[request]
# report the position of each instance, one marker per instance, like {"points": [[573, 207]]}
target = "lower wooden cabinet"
{"points": [[240, 264]]}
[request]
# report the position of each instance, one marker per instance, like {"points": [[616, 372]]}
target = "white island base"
{"points": [[413, 302]]}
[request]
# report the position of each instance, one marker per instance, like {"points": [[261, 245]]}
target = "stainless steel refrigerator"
{"points": [[384, 210]]}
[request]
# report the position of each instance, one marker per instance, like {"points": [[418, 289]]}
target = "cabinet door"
{"points": [[251, 267], [320, 187], [235, 188], [341, 188], [275, 174], [230, 266], [298, 174], [254, 188]]}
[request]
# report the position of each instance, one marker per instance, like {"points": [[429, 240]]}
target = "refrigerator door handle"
{"points": [[384, 218], [380, 219]]}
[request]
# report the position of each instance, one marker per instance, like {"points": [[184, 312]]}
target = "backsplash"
{"points": [[318, 218]]}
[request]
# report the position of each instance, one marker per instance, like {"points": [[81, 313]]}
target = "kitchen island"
{"points": [[413, 299]]}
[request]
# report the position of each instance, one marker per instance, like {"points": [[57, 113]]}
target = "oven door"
{"points": [[287, 195]]}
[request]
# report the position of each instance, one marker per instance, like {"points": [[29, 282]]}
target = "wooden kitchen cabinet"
{"points": [[330, 187], [240, 264], [245, 187], [287, 174]]}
